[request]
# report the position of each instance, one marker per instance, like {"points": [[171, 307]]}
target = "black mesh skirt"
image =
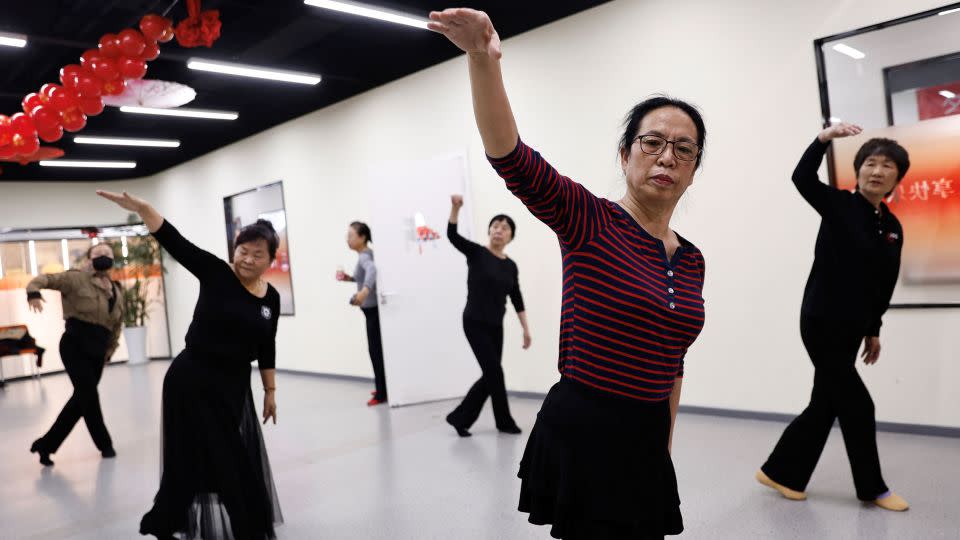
{"points": [[596, 467], [215, 480]]}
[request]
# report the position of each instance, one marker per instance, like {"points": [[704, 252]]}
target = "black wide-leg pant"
{"points": [[83, 358], [486, 340], [375, 346], [838, 394]]}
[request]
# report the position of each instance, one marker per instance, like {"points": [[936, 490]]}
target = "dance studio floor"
{"points": [[345, 471]]}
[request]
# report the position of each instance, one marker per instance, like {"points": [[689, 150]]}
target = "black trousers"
{"points": [[486, 340], [838, 393], [375, 345], [83, 357]]}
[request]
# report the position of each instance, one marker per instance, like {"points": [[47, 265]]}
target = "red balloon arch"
{"points": [[101, 72]]}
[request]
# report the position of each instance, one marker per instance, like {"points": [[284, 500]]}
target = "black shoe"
{"points": [[512, 430], [148, 528], [109, 453], [44, 456], [460, 431]]}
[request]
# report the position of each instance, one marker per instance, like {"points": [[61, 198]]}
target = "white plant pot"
{"points": [[136, 337]]}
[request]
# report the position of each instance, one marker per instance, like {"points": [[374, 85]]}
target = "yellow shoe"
{"points": [[892, 502], [791, 494]]}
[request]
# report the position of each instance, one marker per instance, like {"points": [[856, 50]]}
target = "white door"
{"points": [[421, 278]]}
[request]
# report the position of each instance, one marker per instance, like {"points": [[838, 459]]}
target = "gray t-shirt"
{"points": [[366, 276]]}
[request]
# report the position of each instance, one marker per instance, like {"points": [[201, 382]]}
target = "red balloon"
{"points": [[7, 151], [88, 86], [23, 125], [70, 74], [151, 51], [59, 97], [104, 69], [24, 145], [114, 87], [110, 46], [51, 135], [132, 69], [132, 43], [89, 56], [45, 89], [167, 35], [32, 101], [74, 119], [90, 106], [153, 26], [45, 117], [6, 130]]}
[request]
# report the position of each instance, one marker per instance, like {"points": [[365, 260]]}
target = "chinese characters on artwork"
{"points": [[925, 190]]}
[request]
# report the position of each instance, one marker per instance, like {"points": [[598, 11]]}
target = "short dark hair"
{"points": [[510, 223], [636, 115], [94, 246], [888, 148], [261, 230], [362, 229]]}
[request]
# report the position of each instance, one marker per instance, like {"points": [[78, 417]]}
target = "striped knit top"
{"points": [[628, 313]]}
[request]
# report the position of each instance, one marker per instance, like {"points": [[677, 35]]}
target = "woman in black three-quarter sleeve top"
{"points": [[491, 278], [855, 267], [216, 480]]}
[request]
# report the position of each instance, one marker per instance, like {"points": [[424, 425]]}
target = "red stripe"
{"points": [[621, 352], [618, 362], [607, 379]]}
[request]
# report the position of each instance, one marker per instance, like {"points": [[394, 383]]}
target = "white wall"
{"points": [[571, 83], [66, 204]]}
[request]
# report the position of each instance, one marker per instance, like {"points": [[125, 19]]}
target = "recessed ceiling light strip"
{"points": [[257, 72], [181, 112], [371, 12]]}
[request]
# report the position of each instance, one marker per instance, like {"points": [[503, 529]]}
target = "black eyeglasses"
{"points": [[655, 145]]}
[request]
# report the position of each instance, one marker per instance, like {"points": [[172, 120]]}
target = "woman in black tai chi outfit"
{"points": [[491, 278], [855, 268], [216, 480]]}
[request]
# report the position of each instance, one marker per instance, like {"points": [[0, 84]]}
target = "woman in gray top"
{"points": [[365, 276]]}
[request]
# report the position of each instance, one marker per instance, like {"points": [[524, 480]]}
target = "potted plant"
{"points": [[136, 263]]}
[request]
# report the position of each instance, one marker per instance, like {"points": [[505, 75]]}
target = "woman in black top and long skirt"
{"points": [[857, 260], [491, 278], [216, 480]]}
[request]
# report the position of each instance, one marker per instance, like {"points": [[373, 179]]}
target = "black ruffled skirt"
{"points": [[215, 480], [596, 467]]}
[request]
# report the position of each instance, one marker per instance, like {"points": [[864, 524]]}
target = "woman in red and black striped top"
{"points": [[597, 464]]}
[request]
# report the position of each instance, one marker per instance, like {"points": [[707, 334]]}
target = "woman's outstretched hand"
{"points": [[469, 29], [837, 131], [124, 200]]}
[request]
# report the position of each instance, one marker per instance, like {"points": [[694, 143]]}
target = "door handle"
{"points": [[385, 295]]}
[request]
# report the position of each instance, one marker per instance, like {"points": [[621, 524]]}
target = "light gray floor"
{"points": [[346, 471]]}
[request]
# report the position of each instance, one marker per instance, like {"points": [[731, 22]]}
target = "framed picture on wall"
{"points": [[901, 80], [264, 202]]}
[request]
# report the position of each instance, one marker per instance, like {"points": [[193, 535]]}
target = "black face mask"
{"points": [[102, 263]]}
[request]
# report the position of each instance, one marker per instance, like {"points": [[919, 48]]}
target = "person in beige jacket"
{"points": [[93, 311]]}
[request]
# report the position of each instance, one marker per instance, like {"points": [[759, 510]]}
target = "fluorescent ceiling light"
{"points": [[179, 111], [253, 71], [13, 40], [89, 164], [947, 94], [124, 141], [949, 11], [368, 11], [849, 51]]}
